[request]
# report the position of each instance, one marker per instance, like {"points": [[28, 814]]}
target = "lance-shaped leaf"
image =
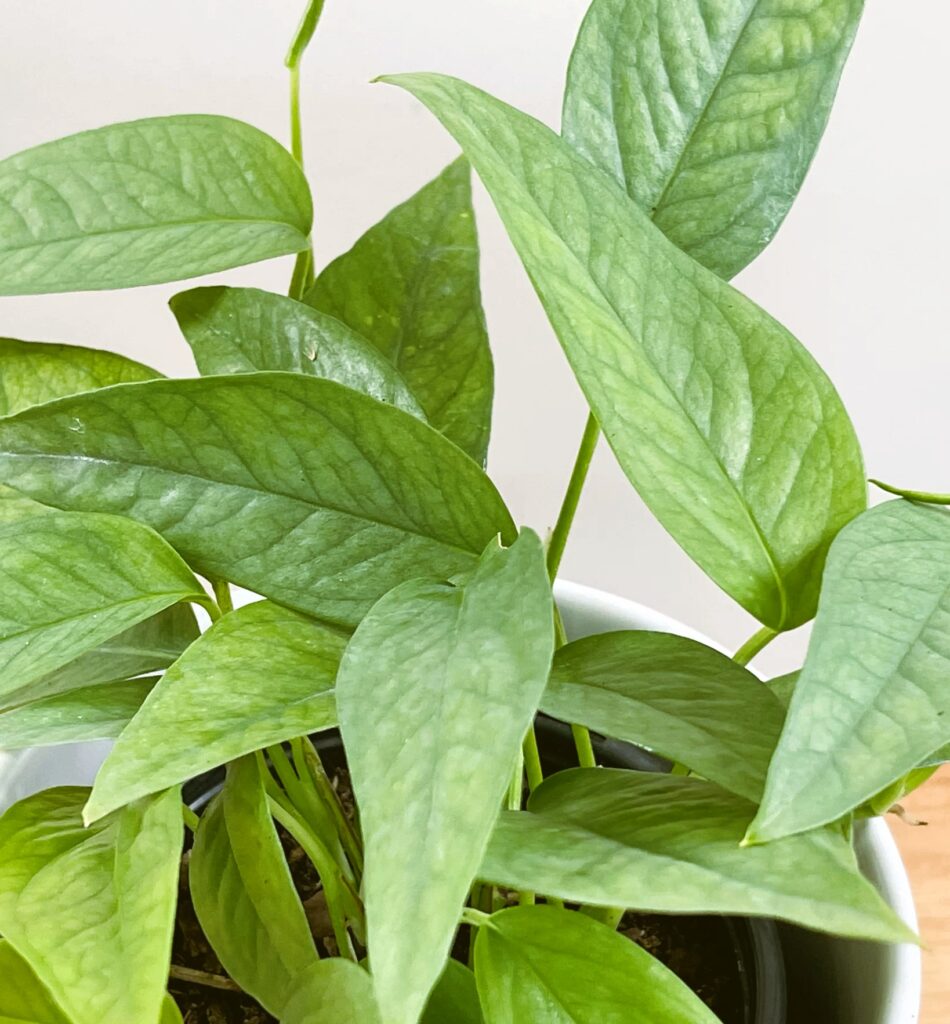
{"points": [[72, 581], [104, 958], [708, 112], [670, 844], [243, 892], [872, 701], [33, 372], [91, 713], [731, 433], [552, 966], [259, 676], [410, 285], [333, 991], [436, 691], [297, 488], [240, 330], [145, 202], [675, 696], [23, 997], [454, 1000]]}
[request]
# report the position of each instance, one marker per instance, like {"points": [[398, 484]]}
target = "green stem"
{"points": [[572, 496], [222, 594], [317, 775], [585, 749], [191, 819], [754, 645], [476, 918], [926, 497], [532, 760]]}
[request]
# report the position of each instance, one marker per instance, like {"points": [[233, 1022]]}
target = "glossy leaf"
{"points": [[454, 1000], [729, 430], [105, 961], [146, 202], [872, 701], [332, 992], [91, 713], [670, 844], [551, 966], [170, 1012], [708, 112], [243, 892], [33, 372], [71, 581], [436, 691], [410, 285], [259, 676], [674, 696], [296, 488], [23, 997], [240, 330]]}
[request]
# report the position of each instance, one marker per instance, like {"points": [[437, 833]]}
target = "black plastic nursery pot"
{"points": [[735, 964]]}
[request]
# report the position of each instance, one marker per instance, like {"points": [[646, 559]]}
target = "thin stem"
{"points": [[532, 760], [193, 977], [516, 786], [191, 819], [585, 749], [317, 775], [926, 497], [476, 918], [296, 130], [572, 496], [222, 594], [754, 645], [303, 35]]}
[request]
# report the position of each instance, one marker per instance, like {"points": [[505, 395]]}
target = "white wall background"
{"points": [[858, 272]]}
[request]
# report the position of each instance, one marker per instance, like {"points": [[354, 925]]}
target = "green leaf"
{"points": [[436, 691], [259, 676], [243, 892], [296, 488], [552, 966], [670, 844], [146, 202], [784, 686], [73, 581], [332, 992], [708, 112], [34, 372], [240, 330], [872, 700], [675, 696], [92, 910], [729, 430], [454, 1000], [92, 713], [410, 285], [23, 998], [15, 506], [170, 1012], [147, 646]]}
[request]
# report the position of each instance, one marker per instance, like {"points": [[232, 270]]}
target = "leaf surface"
{"points": [[670, 844], [674, 696], [106, 960], [552, 966], [410, 285], [454, 1000], [259, 676], [240, 330], [436, 691], [23, 997], [145, 202], [708, 112], [332, 992], [732, 434], [296, 488], [872, 701]]}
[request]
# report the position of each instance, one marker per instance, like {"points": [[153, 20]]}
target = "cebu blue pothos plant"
{"points": [[330, 459]]}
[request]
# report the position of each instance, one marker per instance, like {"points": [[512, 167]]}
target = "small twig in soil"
{"points": [[189, 974]]}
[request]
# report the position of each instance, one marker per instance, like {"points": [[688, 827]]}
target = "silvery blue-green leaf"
{"points": [[708, 112], [435, 693], [92, 910], [145, 202], [34, 372], [240, 330], [91, 713], [259, 676], [670, 844], [297, 488], [410, 285], [729, 430], [332, 992], [23, 997], [71, 581], [552, 966], [872, 701], [674, 696], [454, 1000], [243, 892]]}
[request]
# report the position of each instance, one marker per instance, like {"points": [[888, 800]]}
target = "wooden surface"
{"points": [[926, 852]]}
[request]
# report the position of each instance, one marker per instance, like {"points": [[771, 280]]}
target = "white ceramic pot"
{"points": [[836, 981]]}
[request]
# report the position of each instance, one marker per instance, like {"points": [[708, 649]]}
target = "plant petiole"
{"points": [[757, 642], [572, 496]]}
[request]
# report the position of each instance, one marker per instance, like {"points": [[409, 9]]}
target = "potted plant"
{"points": [[405, 783]]}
